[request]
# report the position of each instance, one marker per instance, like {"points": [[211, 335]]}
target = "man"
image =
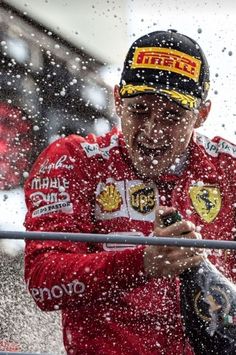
{"points": [[122, 299]]}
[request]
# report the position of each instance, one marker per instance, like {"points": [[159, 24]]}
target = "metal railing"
{"points": [[118, 238]]}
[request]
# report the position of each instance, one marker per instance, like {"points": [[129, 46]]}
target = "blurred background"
{"points": [[59, 62]]}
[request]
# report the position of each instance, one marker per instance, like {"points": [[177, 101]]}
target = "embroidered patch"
{"points": [[92, 149], [130, 199], [109, 199], [213, 148], [142, 198], [206, 201]]}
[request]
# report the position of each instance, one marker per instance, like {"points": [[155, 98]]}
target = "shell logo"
{"points": [[109, 199]]}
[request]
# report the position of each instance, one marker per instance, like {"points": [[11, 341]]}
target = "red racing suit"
{"points": [[88, 185]]}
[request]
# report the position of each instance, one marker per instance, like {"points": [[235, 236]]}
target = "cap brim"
{"points": [[187, 101]]}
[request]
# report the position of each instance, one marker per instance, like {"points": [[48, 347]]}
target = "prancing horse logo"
{"points": [[206, 201], [203, 195]]}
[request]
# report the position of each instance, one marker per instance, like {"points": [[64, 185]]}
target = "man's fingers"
{"points": [[189, 262], [184, 253], [180, 228], [177, 268], [162, 211]]}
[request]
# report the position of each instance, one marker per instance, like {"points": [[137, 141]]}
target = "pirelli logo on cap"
{"points": [[167, 59]]}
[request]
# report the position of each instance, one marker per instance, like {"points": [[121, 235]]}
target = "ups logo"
{"points": [[142, 198]]}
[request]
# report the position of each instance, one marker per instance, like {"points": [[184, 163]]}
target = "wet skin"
{"points": [[157, 132]]}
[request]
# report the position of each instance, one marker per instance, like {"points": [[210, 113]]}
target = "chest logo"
{"points": [[206, 201], [142, 198], [109, 199]]}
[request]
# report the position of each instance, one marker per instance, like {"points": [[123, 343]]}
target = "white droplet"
{"points": [[25, 174], [63, 92], [200, 183], [198, 229]]}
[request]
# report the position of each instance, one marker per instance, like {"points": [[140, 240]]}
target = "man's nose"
{"points": [[152, 125]]}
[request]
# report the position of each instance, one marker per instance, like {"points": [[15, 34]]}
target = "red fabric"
{"points": [[108, 305], [16, 144], [9, 346]]}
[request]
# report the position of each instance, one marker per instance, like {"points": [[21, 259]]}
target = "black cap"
{"points": [[167, 63]]}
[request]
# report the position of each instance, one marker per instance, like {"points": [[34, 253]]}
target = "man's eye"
{"points": [[137, 108], [172, 116]]}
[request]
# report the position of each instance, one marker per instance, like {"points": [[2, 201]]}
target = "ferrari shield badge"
{"points": [[206, 200]]}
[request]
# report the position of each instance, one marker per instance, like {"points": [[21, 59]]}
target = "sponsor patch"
{"points": [[57, 291], [49, 183], [213, 148], [109, 199], [125, 198], [206, 201], [65, 207], [120, 246], [39, 197], [64, 162], [92, 149], [99, 208], [167, 59], [142, 198]]}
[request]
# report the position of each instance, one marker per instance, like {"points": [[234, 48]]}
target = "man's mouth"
{"points": [[151, 151]]}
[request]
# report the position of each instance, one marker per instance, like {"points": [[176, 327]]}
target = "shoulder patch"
{"points": [[213, 148], [92, 149]]}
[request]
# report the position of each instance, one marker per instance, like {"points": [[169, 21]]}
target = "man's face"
{"points": [[157, 132]]}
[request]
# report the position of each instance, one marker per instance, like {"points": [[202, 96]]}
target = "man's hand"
{"points": [[171, 261]]}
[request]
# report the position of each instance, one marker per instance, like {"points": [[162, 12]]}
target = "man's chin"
{"points": [[151, 171]]}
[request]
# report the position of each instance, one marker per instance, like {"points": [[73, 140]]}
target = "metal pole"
{"points": [[118, 238]]}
